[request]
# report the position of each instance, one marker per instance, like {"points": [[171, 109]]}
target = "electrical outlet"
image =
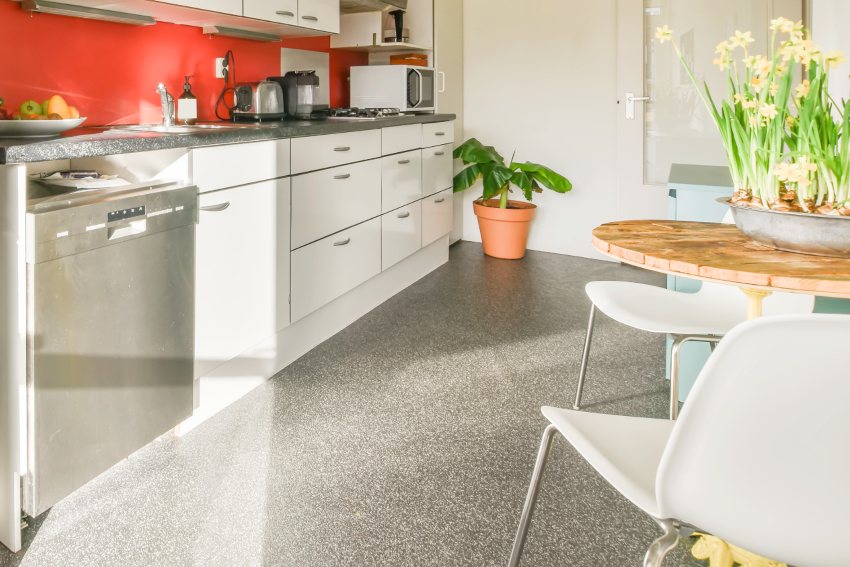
{"points": [[219, 67]]}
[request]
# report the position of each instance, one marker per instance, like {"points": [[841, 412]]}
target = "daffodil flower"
{"points": [[664, 34], [741, 39], [802, 90], [768, 111], [833, 59]]}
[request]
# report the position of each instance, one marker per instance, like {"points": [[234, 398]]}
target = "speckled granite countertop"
{"points": [[88, 142]]}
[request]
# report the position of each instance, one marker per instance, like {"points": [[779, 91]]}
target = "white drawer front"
{"points": [[219, 167], [401, 179], [401, 234], [327, 269], [327, 201], [436, 216], [401, 138], [436, 169], [319, 152], [438, 133], [282, 11]]}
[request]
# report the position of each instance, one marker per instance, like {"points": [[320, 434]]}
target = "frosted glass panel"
{"points": [[678, 128]]}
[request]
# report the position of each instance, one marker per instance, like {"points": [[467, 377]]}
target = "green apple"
{"points": [[30, 107], [44, 106]]}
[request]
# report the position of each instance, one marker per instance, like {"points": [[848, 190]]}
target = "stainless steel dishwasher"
{"points": [[110, 337]]}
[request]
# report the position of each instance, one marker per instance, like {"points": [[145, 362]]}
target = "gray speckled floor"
{"points": [[407, 439]]}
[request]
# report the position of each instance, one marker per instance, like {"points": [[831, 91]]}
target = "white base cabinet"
{"points": [[437, 211], [325, 270], [437, 174], [401, 234], [401, 180], [242, 270]]}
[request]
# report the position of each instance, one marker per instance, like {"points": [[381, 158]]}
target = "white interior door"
{"points": [[667, 122]]}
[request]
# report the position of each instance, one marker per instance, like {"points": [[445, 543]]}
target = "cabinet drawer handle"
{"points": [[404, 215], [343, 242], [404, 162], [343, 176], [310, 18], [217, 208], [439, 133], [439, 153], [440, 200], [343, 149], [286, 13]]}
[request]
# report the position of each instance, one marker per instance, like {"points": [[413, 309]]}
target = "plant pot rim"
{"points": [[728, 201], [517, 205]]}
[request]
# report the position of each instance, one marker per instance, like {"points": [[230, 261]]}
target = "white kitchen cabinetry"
{"points": [[320, 152], [242, 270], [327, 201], [218, 167], [401, 139], [438, 133], [322, 15], [401, 234], [436, 169], [325, 270], [436, 216], [283, 11], [401, 179], [233, 7]]}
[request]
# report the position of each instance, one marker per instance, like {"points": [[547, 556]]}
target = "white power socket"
{"points": [[219, 67]]}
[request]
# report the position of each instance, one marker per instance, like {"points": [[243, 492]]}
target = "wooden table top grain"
{"points": [[720, 253]]}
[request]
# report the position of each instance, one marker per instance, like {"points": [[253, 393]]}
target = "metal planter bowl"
{"points": [[806, 233]]}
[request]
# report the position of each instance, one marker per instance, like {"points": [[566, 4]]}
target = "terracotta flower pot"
{"points": [[504, 232]]}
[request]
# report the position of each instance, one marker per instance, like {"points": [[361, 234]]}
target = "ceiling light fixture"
{"points": [[240, 33]]}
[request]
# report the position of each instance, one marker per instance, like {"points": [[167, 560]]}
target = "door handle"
{"points": [[343, 149], [439, 133], [217, 208], [310, 18], [285, 13], [343, 242], [403, 215], [343, 176], [442, 75], [440, 200], [404, 162], [439, 153], [631, 99]]}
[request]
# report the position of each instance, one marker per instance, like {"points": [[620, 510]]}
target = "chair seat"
{"points": [[625, 450], [660, 310]]}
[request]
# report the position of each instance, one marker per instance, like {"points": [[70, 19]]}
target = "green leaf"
{"points": [[496, 179], [467, 178], [473, 151]]}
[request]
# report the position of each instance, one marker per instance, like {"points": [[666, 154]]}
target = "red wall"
{"points": [[110, 71]]}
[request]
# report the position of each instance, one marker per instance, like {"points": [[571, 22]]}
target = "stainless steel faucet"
{"points": [[167, 102]]}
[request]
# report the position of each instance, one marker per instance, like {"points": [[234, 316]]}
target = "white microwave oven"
{"points": [[408, 88]]}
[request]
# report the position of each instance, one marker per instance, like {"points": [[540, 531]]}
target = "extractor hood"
{"points": [[354, 6]]}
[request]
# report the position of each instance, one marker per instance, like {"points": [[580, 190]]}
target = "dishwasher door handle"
{"points": [[132, 229]]}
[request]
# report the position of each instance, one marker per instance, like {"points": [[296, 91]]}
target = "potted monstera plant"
{"points": [[504, 223]]}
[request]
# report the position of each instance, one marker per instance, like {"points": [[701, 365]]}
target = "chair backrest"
{"points": [[760, 455]]}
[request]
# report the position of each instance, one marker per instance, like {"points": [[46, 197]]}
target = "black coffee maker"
{"points": [[301, 95]]}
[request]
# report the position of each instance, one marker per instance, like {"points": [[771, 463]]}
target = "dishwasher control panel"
{"points": [[122, 214]]}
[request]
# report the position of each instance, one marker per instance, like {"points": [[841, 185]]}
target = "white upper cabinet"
{"points": [[282, 11], [322, 15], [222, 6]]}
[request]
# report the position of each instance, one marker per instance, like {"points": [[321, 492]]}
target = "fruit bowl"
{"points": [[37, 128]]}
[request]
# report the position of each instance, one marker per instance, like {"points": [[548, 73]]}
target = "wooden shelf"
{"points": [[385, 47]]}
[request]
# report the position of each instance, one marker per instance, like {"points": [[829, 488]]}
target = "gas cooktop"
{"points": [[362, 113]]}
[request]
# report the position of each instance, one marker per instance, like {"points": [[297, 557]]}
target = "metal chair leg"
{"points": [[531, 498], [678, 341], [584, 356], [661, 546]]}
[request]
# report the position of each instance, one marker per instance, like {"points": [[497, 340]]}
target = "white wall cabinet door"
{"points": [[320, 15], [282, 11], [437, 173], [242, 270], [223, 6], [401, 234]]}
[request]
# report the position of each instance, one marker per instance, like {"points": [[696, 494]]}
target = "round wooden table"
{"points": [[721, 253]]}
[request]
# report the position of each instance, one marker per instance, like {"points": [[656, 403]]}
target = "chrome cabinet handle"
{"points": [[310, 18], [404, 162], [343, 149], [217, 208], [343, 242], [439, 153], [440, 200], [285, 13], [439, 133], [404, 215], [343, 176]]}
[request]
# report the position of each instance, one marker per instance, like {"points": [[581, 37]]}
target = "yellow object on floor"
{"points": [[722, 554]]}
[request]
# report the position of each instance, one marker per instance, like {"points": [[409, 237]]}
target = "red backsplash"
{"points": [[109, 71]]}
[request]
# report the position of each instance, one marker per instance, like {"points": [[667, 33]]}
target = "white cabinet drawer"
{"points": [[327, 201], [318, 15], [401, 180], [319, 152], [401, 234], [242, 270], [327, 269], [401, 138], [438, 133], [436, 169], [436, 216], [282, 11], [219, 167]]}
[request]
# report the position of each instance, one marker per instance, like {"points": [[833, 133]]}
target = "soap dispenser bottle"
{"points": [[187, 105]]}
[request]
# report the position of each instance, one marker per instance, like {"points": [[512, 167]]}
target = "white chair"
{"points": [[705, 316], [760, 456]]}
